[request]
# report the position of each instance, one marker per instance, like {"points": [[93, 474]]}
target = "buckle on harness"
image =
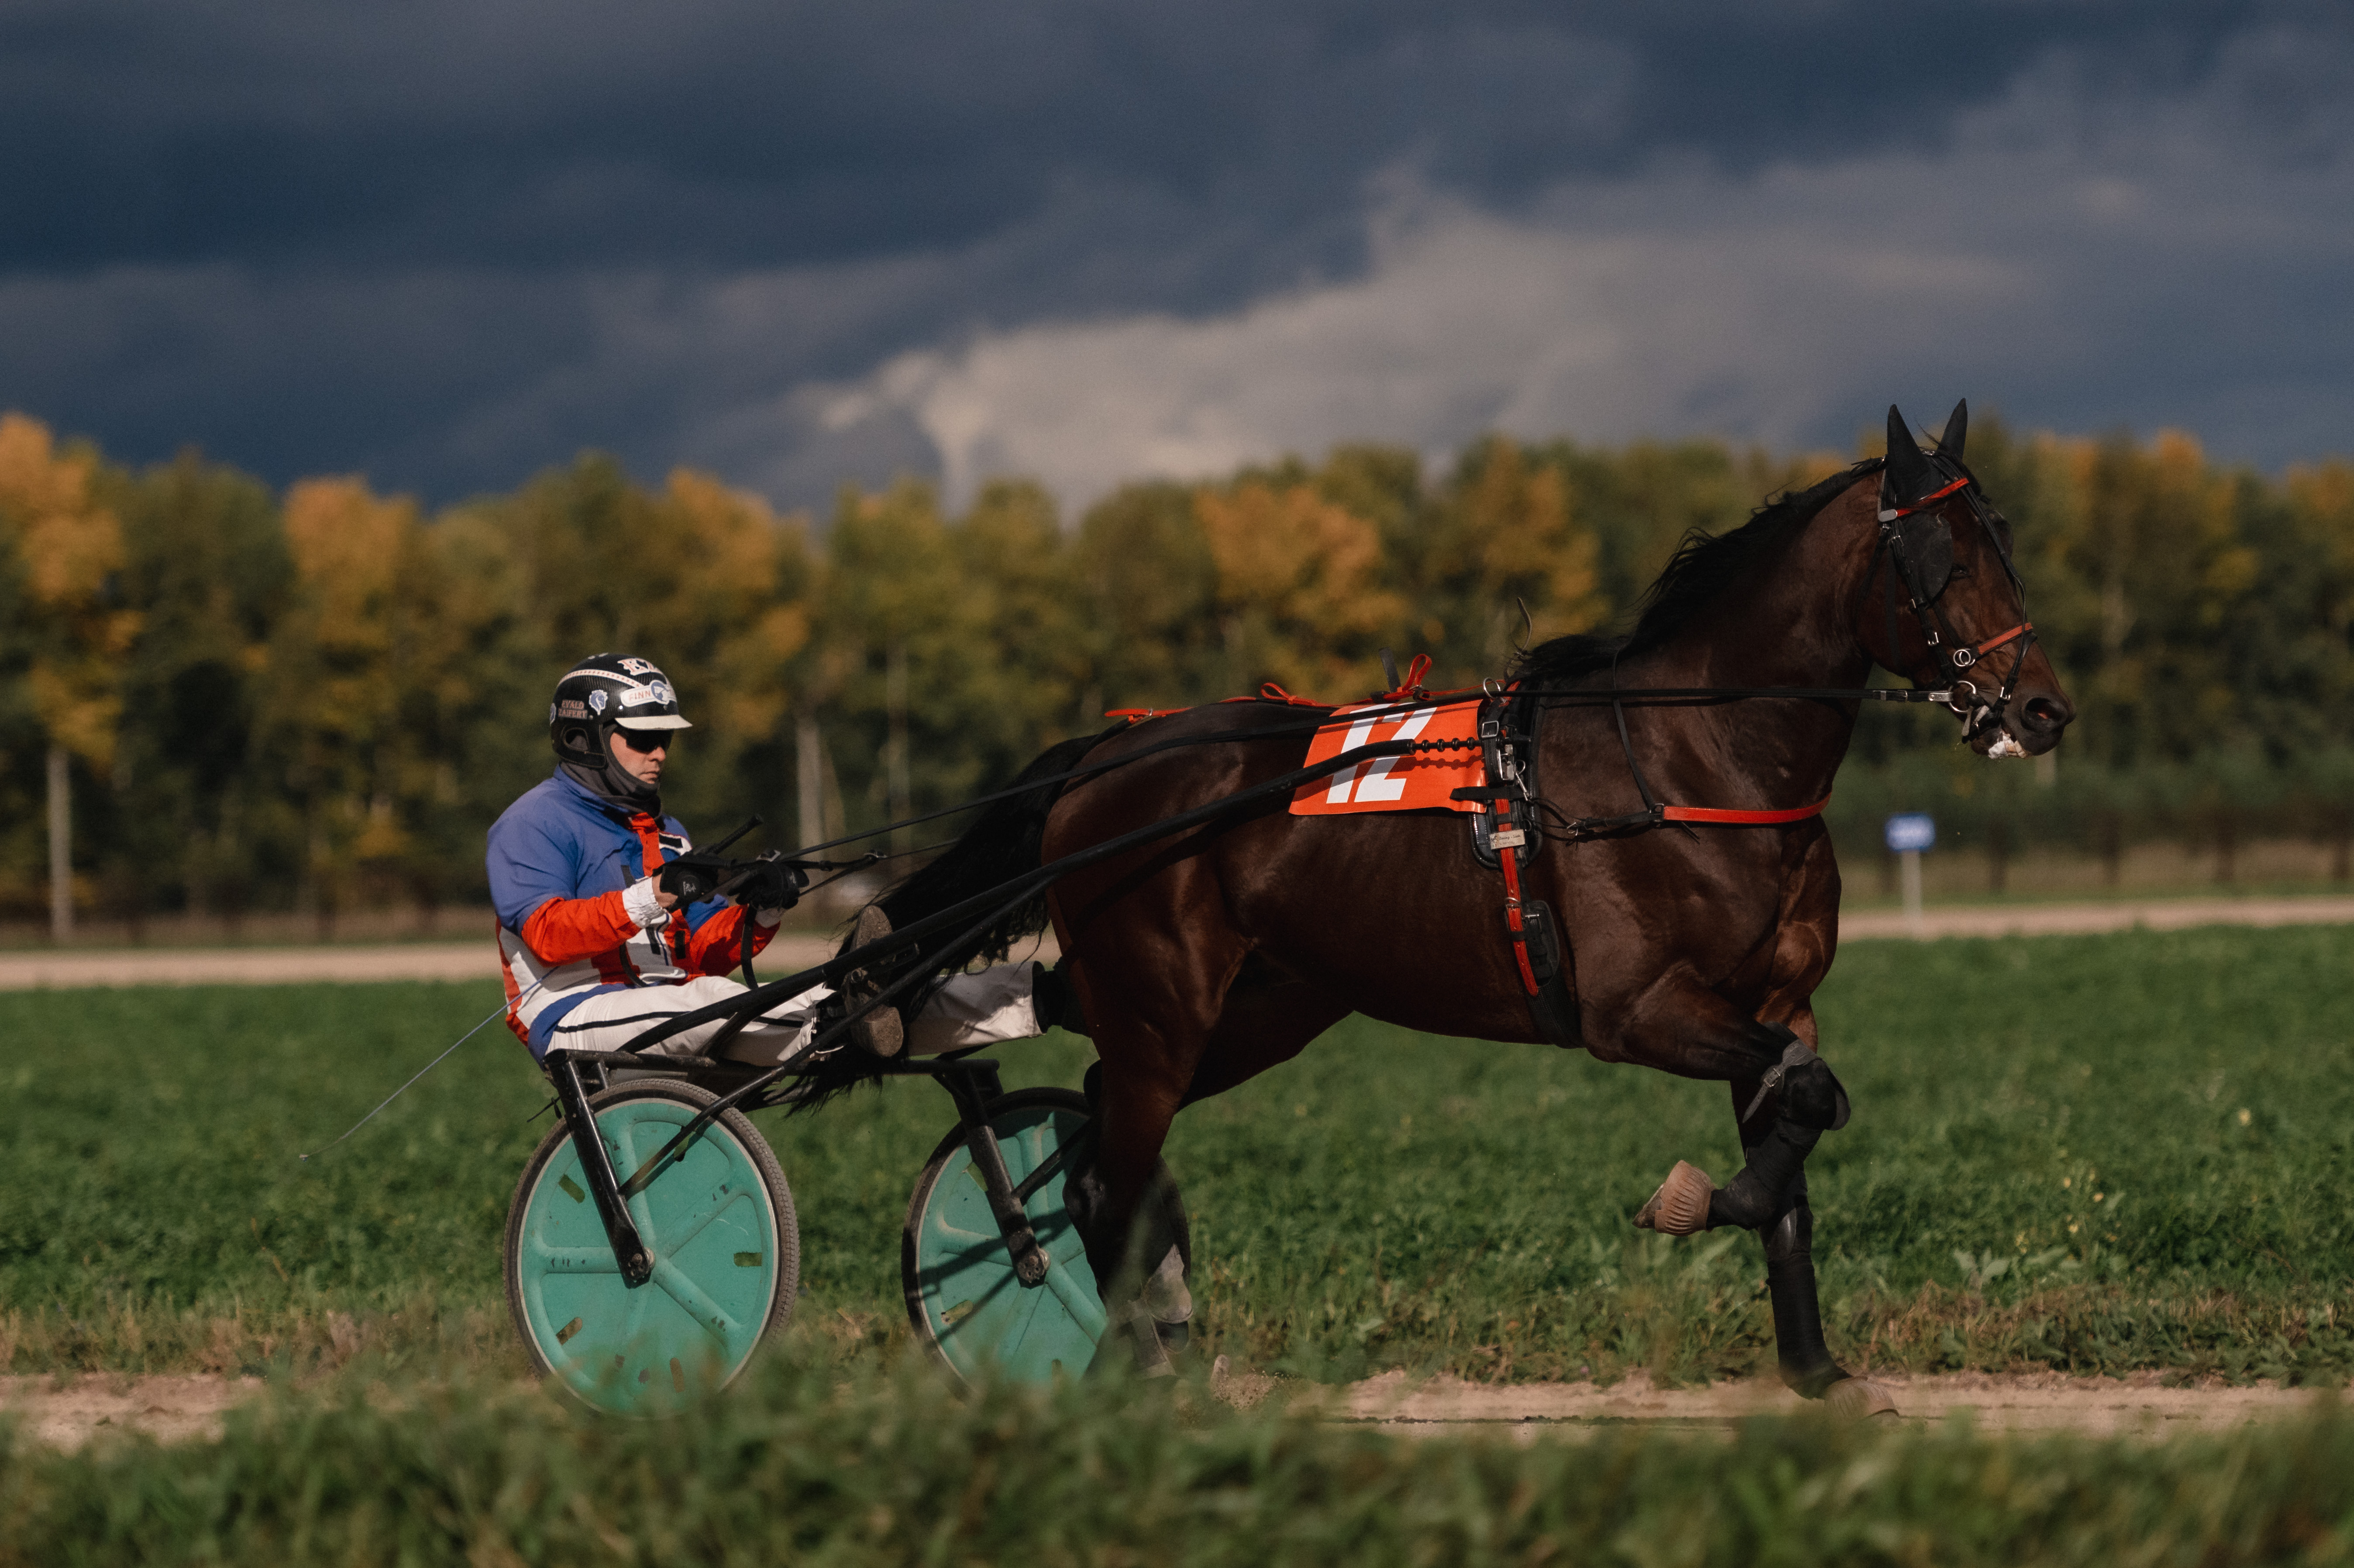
{"points": [[1506, 838]]}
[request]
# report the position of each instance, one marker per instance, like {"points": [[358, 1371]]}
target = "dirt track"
{"points": [[2024, 1403], [297, 966], [2080, 919], [479, 961], [70, 1412]]}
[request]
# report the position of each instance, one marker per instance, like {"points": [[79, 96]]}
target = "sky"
{"points": [[446, 243]]}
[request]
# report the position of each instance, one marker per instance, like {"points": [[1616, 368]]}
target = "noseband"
{"points": [[1921, 554]]}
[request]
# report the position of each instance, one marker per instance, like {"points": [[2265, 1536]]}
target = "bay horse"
{"points": [[1211, 956]]}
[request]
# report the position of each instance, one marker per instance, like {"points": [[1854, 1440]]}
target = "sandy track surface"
{"points": [[296, 966], [68, 1412], [479, 961], [2027, 1403], [2078, 919]]}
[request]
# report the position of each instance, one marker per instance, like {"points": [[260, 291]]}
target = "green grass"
{"points": [[803, 1463], [2091, 1153]]}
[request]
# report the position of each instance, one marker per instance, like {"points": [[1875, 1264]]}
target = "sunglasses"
{"points": [[643, 742]]}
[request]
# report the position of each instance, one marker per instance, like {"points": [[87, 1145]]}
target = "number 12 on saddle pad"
{"points": [[1425, 781]]}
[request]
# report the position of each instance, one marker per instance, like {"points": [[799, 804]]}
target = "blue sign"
{"points": [[1912, 831]]}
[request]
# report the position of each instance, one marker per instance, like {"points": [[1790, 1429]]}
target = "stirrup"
{"points": [[880, 1033]]}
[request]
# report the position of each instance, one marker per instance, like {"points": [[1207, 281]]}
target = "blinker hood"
{"points": [[1912, 474], [1923, 545]]}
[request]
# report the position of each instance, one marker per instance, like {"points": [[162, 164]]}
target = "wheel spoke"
{"points": [[635, 1318], [988, 1253], [692, 1228], [958, 1233], [691, 1300], [1002, 1283], [624, 1154], [1077, 1301], [573, 1259]]}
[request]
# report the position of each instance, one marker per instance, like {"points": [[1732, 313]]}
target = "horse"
{"points": [[1207, 958]]}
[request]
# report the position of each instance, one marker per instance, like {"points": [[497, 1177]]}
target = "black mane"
{"points": [[1704, 567]]}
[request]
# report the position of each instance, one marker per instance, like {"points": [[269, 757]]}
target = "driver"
{"points": [[596, 947]]}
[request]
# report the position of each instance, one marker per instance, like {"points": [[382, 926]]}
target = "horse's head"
{"points": [[1944, 605]]}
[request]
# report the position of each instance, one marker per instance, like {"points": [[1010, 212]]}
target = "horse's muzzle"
{"points": [[2033, 722]]}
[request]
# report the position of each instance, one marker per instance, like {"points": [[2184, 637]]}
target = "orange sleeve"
{"points": [[712, 950], [564, 930]]}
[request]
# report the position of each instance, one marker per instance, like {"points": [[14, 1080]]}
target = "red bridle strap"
{"points": [[1924, 502], [1739, 818], [1991, 643]]}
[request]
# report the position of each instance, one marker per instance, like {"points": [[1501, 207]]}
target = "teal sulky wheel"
{"points": [[963, 1299], [719, 1222]]}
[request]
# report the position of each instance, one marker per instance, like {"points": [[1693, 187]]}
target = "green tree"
{"points": [[207, 570], [1151, 597]]}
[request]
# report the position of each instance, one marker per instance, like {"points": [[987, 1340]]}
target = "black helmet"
{"points": [[603, 691]]}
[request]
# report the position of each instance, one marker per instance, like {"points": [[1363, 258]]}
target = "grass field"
{"points": [[806, 1465], [2091, 1153]]}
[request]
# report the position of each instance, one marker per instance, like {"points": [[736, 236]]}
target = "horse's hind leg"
{"points": [[1152, 991], [1261, 1018]]}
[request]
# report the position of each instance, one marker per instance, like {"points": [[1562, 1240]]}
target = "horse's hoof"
{"points": [[1858, 1399], [1150, 1350], [1679, 1208]]}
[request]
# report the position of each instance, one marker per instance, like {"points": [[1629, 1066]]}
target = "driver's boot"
{"points": [[881, 1032], [1055, 1001]]}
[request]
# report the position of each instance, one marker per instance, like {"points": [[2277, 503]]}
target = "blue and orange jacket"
{"points": [[562, 862]]}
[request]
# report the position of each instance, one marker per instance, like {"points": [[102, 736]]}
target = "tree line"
{"points": [[238, 699]]}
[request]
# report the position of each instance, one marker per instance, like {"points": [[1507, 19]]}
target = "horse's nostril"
{"points": [[2043, 713]]}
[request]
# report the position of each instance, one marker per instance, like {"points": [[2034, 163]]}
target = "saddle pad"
{"points": [[1421, 782]]}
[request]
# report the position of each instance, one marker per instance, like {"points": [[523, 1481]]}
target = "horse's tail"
{"points": [[1002, 843]]}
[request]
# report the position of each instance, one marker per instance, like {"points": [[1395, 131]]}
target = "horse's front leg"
{"points": [[1806, 1361], [1783, 1103]]}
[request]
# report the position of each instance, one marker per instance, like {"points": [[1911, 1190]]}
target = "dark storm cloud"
{"points": [[448, 242], [735, 132]]}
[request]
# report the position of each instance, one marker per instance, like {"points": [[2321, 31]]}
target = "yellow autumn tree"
{"points": [[69, 556], [727, 614], [2322, 498], [346, 658], [1505, 535], [2155, 532], [70, 550], [1301, 596]]}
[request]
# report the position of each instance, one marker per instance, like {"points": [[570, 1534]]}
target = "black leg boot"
{"points": [[1806, 1360]]}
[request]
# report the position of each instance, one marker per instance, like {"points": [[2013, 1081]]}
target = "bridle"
{"points": [[1921, 557]]}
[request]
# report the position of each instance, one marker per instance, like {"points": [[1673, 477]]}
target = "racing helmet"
{"points": [[603, 693]]}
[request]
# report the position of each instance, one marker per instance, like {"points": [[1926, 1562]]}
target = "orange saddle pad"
{"points": [[1423, 780]]}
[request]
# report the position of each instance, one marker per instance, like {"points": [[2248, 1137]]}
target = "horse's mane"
{"points": [[1704, 566]]}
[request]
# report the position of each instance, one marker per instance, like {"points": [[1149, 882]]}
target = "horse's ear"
{"points": [[1910, 477], [1958, 430]]}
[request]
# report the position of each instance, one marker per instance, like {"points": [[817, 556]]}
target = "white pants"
{"points": [[970, 1009]]}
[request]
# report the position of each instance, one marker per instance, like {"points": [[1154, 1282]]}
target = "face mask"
{"points": [[613, 782]]}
